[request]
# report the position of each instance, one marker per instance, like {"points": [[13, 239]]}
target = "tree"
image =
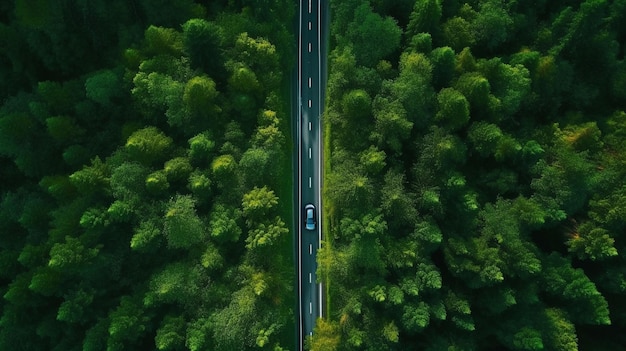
{"points": [[204, 43], [356, 105], [223, 223], [128, 322], [176, 283], [583, 302], [163, 41], [258, 204], [144, 234], [443, 60], [365, 235], [199, 97], [128, 181], [413, 88], [510, 84], [266, 234], [397, 204], [492, 24], [156, 182], [177, 169], [476, 89], [171, 334], [458, 34], [92, 178], [76, 306], [425, 17], [262, 58], [148, 145], [373, 160], [224, 168], [392, 127], [453, 111], [326, 336], [200, 148], [200, 185], [183, 228], [70, 254], [592, 242], [102, 87], [373, 36], [561, 333], [257, 167], [63, 129], [485, 137]]}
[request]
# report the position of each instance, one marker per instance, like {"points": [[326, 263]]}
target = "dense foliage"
{"points": [[475, 194], [145, 202]]}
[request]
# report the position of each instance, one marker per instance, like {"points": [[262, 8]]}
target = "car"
{"points": [[309, 213]]}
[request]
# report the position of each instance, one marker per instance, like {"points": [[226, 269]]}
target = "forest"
{"points": [[146, 175], [475, 186], [475, 195]]}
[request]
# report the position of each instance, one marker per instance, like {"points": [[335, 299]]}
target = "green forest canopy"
{"points": [[143, 204], [143, 152], [475, 189]]}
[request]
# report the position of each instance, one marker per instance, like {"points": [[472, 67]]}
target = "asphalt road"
{"points": [[311, 53]]}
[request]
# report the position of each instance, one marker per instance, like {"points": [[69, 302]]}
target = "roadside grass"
{"points": [[328, 212]]}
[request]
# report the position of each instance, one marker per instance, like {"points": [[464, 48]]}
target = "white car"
{"points": [[309, 211]]}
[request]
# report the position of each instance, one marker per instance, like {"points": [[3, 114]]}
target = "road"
{"points": [[311, 69]]}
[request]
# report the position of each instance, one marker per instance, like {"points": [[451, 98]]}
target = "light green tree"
{"points": [[148, 145], [258, 204]]}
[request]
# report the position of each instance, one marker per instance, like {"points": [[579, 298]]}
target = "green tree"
{"points": [[177, 169], [199, 97], [257, 167], [592, 242], [63, 129], [373, 36], [258, 204], [201, 148], [128, 322], [396, 202], [92, 178], [200, 185], [476, 89], [458, 34], [163, 41], [392, 127], [224, 169], [326, 336], [425, 17], [443, 60], [453, 111], [76, 307], [171, 334], [102, 87], [584, 303], [204, 43], [223, 223], [492, 25], [156, 182], [176, 283], [373, 160], [266, 234], [561, 333], [148, 145], [356, 105], [183, 229]]}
